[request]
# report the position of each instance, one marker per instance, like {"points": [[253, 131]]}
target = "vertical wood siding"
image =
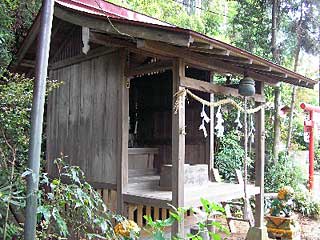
{"points": [[81, 117]]}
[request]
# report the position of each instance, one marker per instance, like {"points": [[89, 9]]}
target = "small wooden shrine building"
{"points": [[113, 115]]}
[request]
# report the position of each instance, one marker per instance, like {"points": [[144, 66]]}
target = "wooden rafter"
{"points": [[29, 40], [253, 66], [216, 51], [64, 43], [27, 63], [231, 58]]}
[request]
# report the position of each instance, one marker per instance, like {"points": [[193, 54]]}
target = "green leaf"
{"points": [[45, 211], [60, 221]]}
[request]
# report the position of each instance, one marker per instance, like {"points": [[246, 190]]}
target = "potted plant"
{"points": [[281, 221]]}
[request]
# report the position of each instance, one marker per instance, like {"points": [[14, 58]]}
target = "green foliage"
{"points": [[300, 19], [208, 22], [306, 204], [229, 156], [72, 209], [15, 108], [251, 27], [283, 173], [317, 159], [15, 19], [297, 141], [156, 228]]}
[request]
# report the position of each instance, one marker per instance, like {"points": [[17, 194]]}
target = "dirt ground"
{"points": [[310, 229]]}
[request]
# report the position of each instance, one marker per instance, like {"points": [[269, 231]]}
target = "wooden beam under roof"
{"points": [[212, 50], [207, 87], [222, 54], [231, 58], [253, 66], [28, 41], [240, 52], [162, 50], [203, 45], [273, 73], [196, 59], [149, 68], [109, 40], [27, 63], [103, 39]]}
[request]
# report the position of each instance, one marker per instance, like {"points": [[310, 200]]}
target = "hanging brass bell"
{"points": [[247, 87]]}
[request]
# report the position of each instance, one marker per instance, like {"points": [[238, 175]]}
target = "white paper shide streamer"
{"points": [[205, 119], [238, 122], [252, 129], [219, 127]]}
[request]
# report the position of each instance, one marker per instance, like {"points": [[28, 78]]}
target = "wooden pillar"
{"points": [[178, 147], [259, 232], [123, 131], [211, 134], [259, 165]]}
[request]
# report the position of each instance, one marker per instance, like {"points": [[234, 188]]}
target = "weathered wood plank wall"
{"points": [[81, 117]]}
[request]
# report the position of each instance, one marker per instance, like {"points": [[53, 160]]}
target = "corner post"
{"points": [[211, 135], [178, 147], [123, 131], [259, 231]]}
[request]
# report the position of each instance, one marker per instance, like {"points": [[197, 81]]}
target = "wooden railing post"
{"points": [[178, 147]]}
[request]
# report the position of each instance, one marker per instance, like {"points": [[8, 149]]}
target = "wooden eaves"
{"points": [[170, 41]]}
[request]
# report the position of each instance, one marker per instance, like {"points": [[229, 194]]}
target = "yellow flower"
{"points": [[284, 192], [125, 228]]}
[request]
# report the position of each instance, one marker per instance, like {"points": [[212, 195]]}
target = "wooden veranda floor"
{"points": [[145, 190]]}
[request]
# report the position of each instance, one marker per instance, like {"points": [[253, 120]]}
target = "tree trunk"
{"points": [[294, 88], [293, 97], [274, 31], [276, 90], [276, 124]]}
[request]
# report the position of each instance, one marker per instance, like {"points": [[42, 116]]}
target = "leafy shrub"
{"points": [[298, 134], [283, 173], [317, 159], [15, 107], [229, 156], [156, 228], [73, 208], [306, 204]]}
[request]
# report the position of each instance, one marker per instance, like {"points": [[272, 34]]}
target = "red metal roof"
{"points": [[103, 8]]}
